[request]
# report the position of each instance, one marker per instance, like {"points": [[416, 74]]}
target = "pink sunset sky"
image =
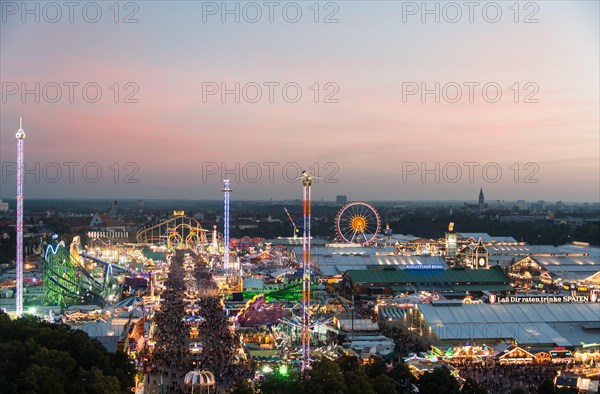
{"points": [[372, 134]]}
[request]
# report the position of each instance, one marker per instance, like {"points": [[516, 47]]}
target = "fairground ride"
{"points": [[290, 292], [358, 222], [179, 232], [67, 281]]}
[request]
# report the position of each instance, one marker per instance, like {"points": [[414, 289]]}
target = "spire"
{"points": [[481, 199]]}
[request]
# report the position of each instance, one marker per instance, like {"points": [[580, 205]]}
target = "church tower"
{"points": [[481, 199]]}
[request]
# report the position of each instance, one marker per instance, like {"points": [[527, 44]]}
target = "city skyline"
{"points": [[368, 141]]}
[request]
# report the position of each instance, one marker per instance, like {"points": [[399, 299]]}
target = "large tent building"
{"points": [[561, 269], [544, 326], [448, 281]]}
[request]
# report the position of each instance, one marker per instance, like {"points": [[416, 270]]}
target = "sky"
{"points": [[380, 100]]}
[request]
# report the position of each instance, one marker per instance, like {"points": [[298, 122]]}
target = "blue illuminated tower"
{"points": [[226, 190]]}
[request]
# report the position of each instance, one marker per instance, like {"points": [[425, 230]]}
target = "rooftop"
{"points": [[558, 324], [338, 264], [466, 276], [486, 238]]}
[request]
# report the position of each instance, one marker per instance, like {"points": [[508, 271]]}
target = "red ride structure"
{"points": [[306, 318]]}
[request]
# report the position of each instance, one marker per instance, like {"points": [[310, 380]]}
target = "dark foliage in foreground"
{"points": [[40, 357]]}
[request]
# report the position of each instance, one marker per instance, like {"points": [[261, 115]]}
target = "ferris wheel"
{"points": [[358, 222]]}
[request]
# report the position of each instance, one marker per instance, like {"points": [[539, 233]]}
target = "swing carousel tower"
{"points": [[20, 143]]}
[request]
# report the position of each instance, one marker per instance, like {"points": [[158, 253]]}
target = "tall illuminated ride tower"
{"points": [[20, 142], [306, 319], [226, 190]]}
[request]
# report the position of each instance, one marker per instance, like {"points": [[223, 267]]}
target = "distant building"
{"points": [[569, 222], [3, 206], [341, 199], [105, 223], [481, 200], [480, 206], [539, 206], [114, 209], [246, 224]]}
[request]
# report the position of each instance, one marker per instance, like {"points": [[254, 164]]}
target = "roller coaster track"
{"points": [[106, 263], [63, 277], [95, 297], [178, 232]]}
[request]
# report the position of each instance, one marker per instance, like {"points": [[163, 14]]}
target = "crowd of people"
{"points": [[170, 358], [501, 379], [496, 378], [191, 299], [405, 342]]}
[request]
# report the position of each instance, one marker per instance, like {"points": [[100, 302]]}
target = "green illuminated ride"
{"points": [[291, 292], [68, 282]]}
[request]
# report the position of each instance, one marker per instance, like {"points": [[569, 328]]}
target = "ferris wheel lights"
{"points": [[358, 222]]}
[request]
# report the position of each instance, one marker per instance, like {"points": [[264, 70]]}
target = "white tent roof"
{"points": [[591, 250], [253, 283], [486, 238], [590, 262], [560, 324], [519, 250], [359, 325], [338, 264]]}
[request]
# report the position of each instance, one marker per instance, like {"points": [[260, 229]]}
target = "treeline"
{"points": [[432, 225], [40, 357], [538, 233]]}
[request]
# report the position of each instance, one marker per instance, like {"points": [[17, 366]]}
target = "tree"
{"points": [[383, 384], [278, 384], [42, 379], [374, 366], [472, 387], [438, 381], [95, 382], [242, 387], [547, 387], [401, 374], [348, 363], [326, 378], [357, 383], [41, 357]]}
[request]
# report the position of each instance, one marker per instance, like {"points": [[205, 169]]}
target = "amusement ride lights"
{"points": [[20, 143], [306, 319], [226, 190]]}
